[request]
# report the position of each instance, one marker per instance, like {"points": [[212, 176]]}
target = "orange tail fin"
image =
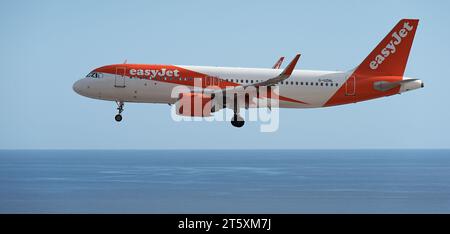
{"points": [[389, 58]]}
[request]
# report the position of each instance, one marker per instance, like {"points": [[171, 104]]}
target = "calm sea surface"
{"points": [[241, 181]]}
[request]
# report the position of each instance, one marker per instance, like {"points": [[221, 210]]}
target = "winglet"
{"points": [[283, 76], [288, 70], [277, 65]]}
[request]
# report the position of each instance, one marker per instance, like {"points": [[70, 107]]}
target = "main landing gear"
{"points": [[118, 117], [237, 121]]}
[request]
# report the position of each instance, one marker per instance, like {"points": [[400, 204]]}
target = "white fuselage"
{"points": [[314, 88]]}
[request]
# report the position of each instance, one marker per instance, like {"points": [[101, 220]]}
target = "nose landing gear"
{"points": [[118, 117]]}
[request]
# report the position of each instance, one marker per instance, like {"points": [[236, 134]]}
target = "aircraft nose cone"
{"points": [[77, 87]]}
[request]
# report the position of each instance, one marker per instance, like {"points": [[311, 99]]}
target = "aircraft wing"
{"points": [[283, 75]]}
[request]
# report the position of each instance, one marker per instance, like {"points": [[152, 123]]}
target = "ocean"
{"points": [[225, 181]]}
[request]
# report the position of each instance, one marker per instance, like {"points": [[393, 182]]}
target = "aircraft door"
{"points": [[350, 86], [120, 77]]}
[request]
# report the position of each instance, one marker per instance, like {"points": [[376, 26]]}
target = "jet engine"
{"points": [[194, 104]]}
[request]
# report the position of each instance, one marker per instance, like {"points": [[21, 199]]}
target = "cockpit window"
{"points": [[94, 75]]}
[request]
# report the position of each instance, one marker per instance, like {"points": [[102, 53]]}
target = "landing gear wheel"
{"points": [[120, 105], [237, 121]]}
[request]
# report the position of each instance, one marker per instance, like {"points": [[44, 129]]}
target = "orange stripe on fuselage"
{"points": [[182, 73]]}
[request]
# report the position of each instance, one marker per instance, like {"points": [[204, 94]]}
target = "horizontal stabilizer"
{"points": [[386, 86]]}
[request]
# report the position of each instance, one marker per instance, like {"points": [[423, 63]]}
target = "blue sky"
{"points": [[47, 45]]}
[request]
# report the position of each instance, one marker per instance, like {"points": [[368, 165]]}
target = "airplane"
{"points": [[380, 74]]}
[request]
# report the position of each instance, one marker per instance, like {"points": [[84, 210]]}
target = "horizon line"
{"points": [[223, 149]]}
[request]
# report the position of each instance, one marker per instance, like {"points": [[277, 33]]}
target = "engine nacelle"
{"points": [[194, 105]]}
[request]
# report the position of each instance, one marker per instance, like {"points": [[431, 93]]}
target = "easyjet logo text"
{"points": [[154, 73], [391, 47]]}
